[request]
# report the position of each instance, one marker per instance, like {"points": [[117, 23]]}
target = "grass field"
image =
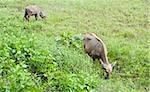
{"points": [[48, 55]]}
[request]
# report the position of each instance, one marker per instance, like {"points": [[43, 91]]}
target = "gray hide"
{"points": [[96, 49], [33, 10]]}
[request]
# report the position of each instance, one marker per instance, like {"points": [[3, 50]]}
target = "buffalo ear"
{"points": [[114, 64], [102, 62], [103, 65]]}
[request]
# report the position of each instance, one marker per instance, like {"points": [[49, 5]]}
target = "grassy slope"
{"points": [[122, 24]]}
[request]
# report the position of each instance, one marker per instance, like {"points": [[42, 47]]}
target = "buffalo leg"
{"points": [[93, 59], [28, 17], [36, 16]]}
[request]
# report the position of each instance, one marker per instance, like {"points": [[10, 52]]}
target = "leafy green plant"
{"points": [[70, 40], [22, 64]]}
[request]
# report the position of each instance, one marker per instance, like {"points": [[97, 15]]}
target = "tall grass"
{"points": [[48, 55]]}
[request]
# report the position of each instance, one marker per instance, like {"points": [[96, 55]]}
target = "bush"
{"points": [[25, 67], [22, 64]]}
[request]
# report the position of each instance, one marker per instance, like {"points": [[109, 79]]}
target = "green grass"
{"points": [[54, 46]]}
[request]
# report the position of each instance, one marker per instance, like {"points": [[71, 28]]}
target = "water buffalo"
{"points": [[33, 10], [96, 49]]}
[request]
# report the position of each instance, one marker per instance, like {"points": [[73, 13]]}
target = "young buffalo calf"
{"points": [[33, 10], [96, 49]]}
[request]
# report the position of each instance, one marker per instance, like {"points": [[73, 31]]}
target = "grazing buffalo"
{"points": [[96, 49], [33, 10]]}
